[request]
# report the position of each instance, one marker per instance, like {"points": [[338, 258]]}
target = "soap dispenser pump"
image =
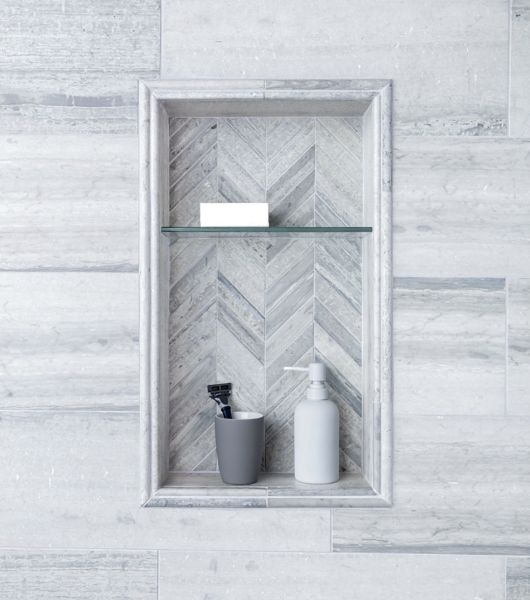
{"points": [[316, 431]]}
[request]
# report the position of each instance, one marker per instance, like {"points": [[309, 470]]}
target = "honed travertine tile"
{"points": [[466, 462], [449, 346], [316, 576], [192, 354], [518, 578], [48, 575], [69, 202], [260, 314], [70, 479], [434, 531], [431, 60], [240, 344], [74, 65], [289, 303], [192, 168], [461, 484], [291, 170], [241, 169], [339, 171], [79, 39], [461, 207], [520, 69], [64, 102], [518, 376], [338, 337], [69, 340]]}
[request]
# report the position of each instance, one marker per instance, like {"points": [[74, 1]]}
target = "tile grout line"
{"points": [[161, 13], [509, 98], [505, 577], [61, 410], [314, 241], [265, 277], [158, 574], [331, 514], [506, 342], [220, 549], [217, 243]]}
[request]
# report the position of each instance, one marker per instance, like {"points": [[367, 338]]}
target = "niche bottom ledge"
{"points": [[271, 490]]}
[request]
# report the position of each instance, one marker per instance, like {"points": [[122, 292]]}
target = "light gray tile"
{"points": [[71, 480], [241, 166], [38, 575], [77, 39], [73, 66], [338, 337], [518, 396], [291, 170], [69, 340], [64, 102], [261, 311], [192, 168], [240, 342], [463, 462], [216, 335], [461, 207], [433, 531], [450, 72], [461, 485], [449, 345], [520, 69], [69, 202], [339, 171], [192, 354], [338, 576], [518, 578], [289, 304]]}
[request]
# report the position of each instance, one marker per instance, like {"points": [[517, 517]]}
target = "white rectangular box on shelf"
{"points": [[234, 214]]}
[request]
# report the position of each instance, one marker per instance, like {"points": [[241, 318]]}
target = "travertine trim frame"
{"points": [[158, 101]]}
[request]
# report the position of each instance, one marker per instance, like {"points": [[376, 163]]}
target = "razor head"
{"points": [[220, 392]]}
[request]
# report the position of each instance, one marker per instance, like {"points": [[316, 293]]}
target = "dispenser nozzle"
{"points": [[316, 370]]}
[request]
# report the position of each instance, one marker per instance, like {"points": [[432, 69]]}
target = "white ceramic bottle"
{"points": [[316, 431]]}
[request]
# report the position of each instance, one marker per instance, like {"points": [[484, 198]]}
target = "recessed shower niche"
{"points": [[239, 304]]}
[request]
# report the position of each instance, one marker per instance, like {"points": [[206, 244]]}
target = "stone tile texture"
{"points": [[70, 524], [449, 62], [316, 576], [241, 310]]}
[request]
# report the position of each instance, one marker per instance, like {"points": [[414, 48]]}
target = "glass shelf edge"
{"points": [[190, 231]]}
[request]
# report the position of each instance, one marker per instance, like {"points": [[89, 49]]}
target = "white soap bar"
{"points": [[234, 214]]}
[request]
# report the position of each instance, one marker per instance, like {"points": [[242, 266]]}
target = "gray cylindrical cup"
{"points": [[240, 441]]}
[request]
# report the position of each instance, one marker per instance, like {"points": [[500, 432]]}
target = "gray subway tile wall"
{"points": [[70, 521]]}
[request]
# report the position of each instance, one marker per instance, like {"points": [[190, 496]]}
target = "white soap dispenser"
{"points": [[316, 431]]}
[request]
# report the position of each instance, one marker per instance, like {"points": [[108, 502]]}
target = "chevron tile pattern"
{"points": [[291, 170], [192, 353], [241, 309], [339, 183], [338, 334], [192, 168], [241, 159], [289, 342], [241, 320]]}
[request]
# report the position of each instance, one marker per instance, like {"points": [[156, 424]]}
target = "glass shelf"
{"points": [[265, 231]]}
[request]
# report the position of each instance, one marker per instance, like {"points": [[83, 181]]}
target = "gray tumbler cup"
{"points": [[240, 441]]}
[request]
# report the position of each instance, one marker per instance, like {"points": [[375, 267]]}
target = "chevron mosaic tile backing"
{"points": [[242, 309]]}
